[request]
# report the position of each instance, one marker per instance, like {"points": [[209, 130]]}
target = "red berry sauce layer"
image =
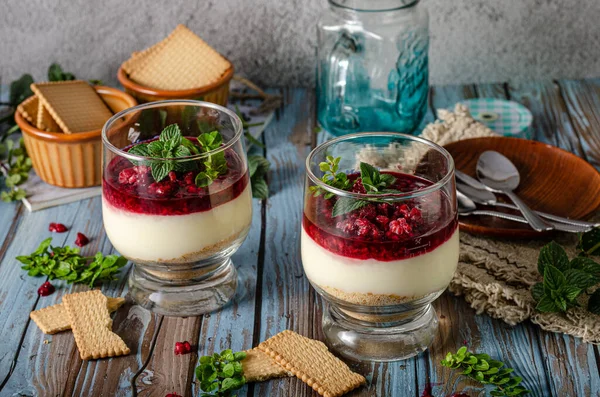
{"points": [[131, 188], [383, 231]]}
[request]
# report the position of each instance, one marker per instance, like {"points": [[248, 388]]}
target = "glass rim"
{"points": [[405, 4], [237, 123], [390, 196]]}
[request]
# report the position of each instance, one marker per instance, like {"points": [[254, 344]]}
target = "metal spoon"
{"points": [[500, 175], [485, 197], [467, 207]]}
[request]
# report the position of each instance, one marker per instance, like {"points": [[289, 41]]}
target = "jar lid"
{"points": [[508, 118]]}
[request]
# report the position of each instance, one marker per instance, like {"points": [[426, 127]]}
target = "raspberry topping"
{"points": [[173, 395], [81, 240], [182, 348], [383, 231], [132, 188], [46, 289], [57, 228]]}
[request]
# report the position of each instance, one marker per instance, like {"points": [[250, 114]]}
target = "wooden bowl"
{"points": [[218, 92], [552, 180], [71, 160]]}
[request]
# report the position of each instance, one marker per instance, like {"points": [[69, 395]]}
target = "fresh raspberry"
{"points": [[414, 214], [384, 209], [172, 176], [402, 211], [182, 348], [46, 289], [358, 186], [383, 221], [128, 176], [368, 212], [57, 227], [188, 178], [346, 226], [173, 395], [400, 227], [81, 240], [364, 228]]}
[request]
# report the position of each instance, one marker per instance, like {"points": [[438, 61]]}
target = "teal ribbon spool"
{"points": [[507, 118]]}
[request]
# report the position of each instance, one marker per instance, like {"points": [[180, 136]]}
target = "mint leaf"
{"points": [[171, 133], [56, 73], [160, 170], [594, 302], [140, 150], [537, 291], [552, 254], [579, 278], [588, 266], [155, 148], [570, 292], [20, 89], [553, 278], [347, 204], [547, 305], [215, 164]]}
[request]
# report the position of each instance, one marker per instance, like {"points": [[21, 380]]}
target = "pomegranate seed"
{"points": [[57, 228], [46, 289], [182, 348], [81, 240]]}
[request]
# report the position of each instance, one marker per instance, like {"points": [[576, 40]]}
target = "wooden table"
{"points": [[275, 295]]}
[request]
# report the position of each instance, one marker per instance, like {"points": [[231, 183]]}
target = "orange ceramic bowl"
{"points": [[71, 160], [216, 92]]}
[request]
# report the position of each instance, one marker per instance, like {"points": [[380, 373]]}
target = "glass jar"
{"points": [[372, 66], [178, 226], [379, 242]]}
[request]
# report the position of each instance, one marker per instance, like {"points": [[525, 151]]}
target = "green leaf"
{"points": [[594, 302], [347, 204], [589, 242], [253, 141], [160, 170], [20, 89], [553, 277], [570, 292], [547, 305], [369, 176], [579, 278], [537, 291], [553, 254], [56, 73], [587, 265], [260, 188], [258, 165], [171, 135], [155, 149]]}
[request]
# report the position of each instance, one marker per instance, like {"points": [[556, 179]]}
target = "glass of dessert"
{"points": [[379, 241], [176, 201]]}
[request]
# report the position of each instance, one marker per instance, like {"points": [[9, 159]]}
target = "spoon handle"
{"points": [[533, 219], [556, 218], [563, 227]]}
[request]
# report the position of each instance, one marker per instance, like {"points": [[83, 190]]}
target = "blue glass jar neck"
{"points": [[372, 5]]}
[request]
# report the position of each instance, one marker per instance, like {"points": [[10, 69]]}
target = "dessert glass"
{"points": [[180, 237], [379, 267]]}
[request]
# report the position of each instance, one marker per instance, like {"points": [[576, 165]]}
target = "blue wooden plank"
{"points": [[518, 345], [51, 364], [582, 99]]}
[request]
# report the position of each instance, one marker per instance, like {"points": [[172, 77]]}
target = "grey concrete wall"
{"points": [[272, 41]]}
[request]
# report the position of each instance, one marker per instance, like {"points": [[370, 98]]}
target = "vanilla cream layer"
{"points": [[416, 276], [168, 238]]}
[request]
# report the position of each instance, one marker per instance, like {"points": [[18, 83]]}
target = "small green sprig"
{"points": [[56, 73], [565, 280], [215, 164], [15, 169], [221, 374], [487, 371], [331, 177], [373, 181], [65, 263], [258, 168], [170, 145]]}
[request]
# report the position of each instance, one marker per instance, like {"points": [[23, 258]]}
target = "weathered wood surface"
{"points": [[274, 293]]}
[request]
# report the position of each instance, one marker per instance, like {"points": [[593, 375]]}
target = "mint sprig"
{"points": [[66, 263], [331, 177], [215, 164], [258, 167], [221, 374], [565, 280], [170, 145], [485, 370]]}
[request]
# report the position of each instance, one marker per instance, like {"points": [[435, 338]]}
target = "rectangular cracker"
{"points": [[311, 361], [54, 319], [29, 109], [183, 61], [74, 105], [259, 366], [45, 121], [92, 326]]}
